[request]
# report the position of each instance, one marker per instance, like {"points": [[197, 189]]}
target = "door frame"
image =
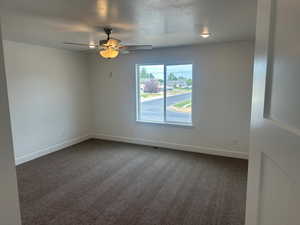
{"points": [[9, 198]]}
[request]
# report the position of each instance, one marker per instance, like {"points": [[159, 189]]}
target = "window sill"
{"points": [[189, 125]]}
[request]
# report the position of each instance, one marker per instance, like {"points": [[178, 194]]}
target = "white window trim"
{"points": [[137, 96]]}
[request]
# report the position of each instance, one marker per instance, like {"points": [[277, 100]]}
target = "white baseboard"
{"points": [[189, 148], [36, 154]]}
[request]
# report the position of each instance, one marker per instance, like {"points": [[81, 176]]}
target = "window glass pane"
{"points": [[179, 93], [151, 93]]}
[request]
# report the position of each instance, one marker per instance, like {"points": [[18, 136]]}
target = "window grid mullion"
{"points": [[138, 91], [165, 94]]}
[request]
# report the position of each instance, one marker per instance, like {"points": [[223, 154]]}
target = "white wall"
{"points": [[9, 202], [222, 94], [49, 98], [50, 92]]}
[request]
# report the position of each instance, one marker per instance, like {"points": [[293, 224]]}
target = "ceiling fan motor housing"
{"points": [[108, 31]]}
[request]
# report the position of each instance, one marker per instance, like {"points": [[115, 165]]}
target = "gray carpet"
{"points": [[110, 183]]}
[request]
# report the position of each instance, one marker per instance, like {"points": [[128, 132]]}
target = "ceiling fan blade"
{"points": [[124, 52], [136, 47], [79, 44]]}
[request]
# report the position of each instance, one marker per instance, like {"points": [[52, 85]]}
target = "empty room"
{"points": [[149, 112]]}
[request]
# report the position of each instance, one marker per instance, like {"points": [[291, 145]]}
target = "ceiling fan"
{"points": [[111, 47]]}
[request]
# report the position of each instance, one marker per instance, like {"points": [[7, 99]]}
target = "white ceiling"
{"points": [[158, 22]]}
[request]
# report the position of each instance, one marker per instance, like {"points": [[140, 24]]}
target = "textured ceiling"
{"points": [[161, 23]]}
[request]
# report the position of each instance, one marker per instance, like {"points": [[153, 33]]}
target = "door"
{"points": [[9, 201], [273, 196]]}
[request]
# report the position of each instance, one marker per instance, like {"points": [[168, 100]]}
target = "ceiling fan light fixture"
{"points": [[109, 53], [110, 48]]}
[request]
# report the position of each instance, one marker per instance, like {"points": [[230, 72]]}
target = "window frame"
{"points": [[137, 95]]}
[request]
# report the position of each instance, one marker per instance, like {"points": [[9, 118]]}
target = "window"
{"points": [[164, 93]]}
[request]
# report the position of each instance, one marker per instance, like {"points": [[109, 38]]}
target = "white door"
{"points": [[273, 196], [9, 200]]}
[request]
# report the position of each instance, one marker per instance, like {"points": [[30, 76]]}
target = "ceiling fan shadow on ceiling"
{"points": [[110, 48]]}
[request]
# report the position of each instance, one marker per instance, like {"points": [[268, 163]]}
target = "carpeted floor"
{"points": [[110, 183]]}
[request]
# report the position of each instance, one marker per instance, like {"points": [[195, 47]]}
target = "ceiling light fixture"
{"points": [[92, 45], [205, 35]]}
